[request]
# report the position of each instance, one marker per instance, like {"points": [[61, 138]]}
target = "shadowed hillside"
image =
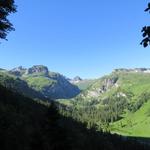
{"points": [[28, 125]]}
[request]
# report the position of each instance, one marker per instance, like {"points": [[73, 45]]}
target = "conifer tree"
{"points": [[6, 8]]}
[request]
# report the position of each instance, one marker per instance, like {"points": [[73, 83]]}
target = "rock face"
{"points": [[19, 71], [118, 78], [37, 69], [102, 87], [109, 82], [75, 80], [140, 70]]}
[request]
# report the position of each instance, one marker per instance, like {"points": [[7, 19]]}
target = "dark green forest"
{"points": [[28, 125]]}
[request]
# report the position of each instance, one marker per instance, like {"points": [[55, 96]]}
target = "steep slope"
{"points": [[49, 84], [129, 84], [135, 124], [27, 125], [18, 85]]}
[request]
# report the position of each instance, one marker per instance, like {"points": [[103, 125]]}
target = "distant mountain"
{"points": [[82, 83], [76, 79], [50, 85]]}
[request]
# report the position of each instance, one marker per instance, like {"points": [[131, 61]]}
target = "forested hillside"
{"points": [[28, 125], [118, 103]]}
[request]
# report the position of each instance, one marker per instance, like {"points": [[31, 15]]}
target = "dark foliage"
{"points": [[99, 117], [146, 32], [27, 125], [144, 97], [6, 8]]}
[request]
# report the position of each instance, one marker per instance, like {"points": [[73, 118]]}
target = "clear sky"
{"points": [[88, 38]]}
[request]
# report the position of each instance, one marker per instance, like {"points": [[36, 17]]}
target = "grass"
{"points": [[40, 82], [134, 124], [65, 102]]}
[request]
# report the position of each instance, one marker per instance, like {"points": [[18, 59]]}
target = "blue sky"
{"points": [[88, 38]]}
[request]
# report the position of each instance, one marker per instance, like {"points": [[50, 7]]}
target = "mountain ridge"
{"points": [[49, 84]]}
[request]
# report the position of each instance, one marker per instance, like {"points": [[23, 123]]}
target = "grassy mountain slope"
{"points": [[16, 84], [48, 85], [52, 85], [129, 85], [39, 82], [134, 124], [118, 102]]}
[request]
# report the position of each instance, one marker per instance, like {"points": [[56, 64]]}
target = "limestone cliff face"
{"points": [[140, 70], [37, 69], [114, 81], [102, 86], [19, 71]]}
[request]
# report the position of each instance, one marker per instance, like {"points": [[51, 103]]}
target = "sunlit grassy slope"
{"points": [[40, 82], [134, 124]]}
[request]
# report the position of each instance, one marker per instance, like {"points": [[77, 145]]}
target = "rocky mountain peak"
{"points": [[18, 71], [77, 78], [38, 69], [20, 68]]}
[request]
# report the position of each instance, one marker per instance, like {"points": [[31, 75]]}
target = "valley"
{"points": [[74, 75], [118, 103]]}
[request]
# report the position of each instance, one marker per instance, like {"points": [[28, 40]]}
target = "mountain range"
{"points": [[38, 82], [118, 102]]}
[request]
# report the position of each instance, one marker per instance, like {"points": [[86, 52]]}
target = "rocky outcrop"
{"points": [[105, 84], [75, 80], [140, 70], [108, 82], [19, 71], [37, 69]]}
